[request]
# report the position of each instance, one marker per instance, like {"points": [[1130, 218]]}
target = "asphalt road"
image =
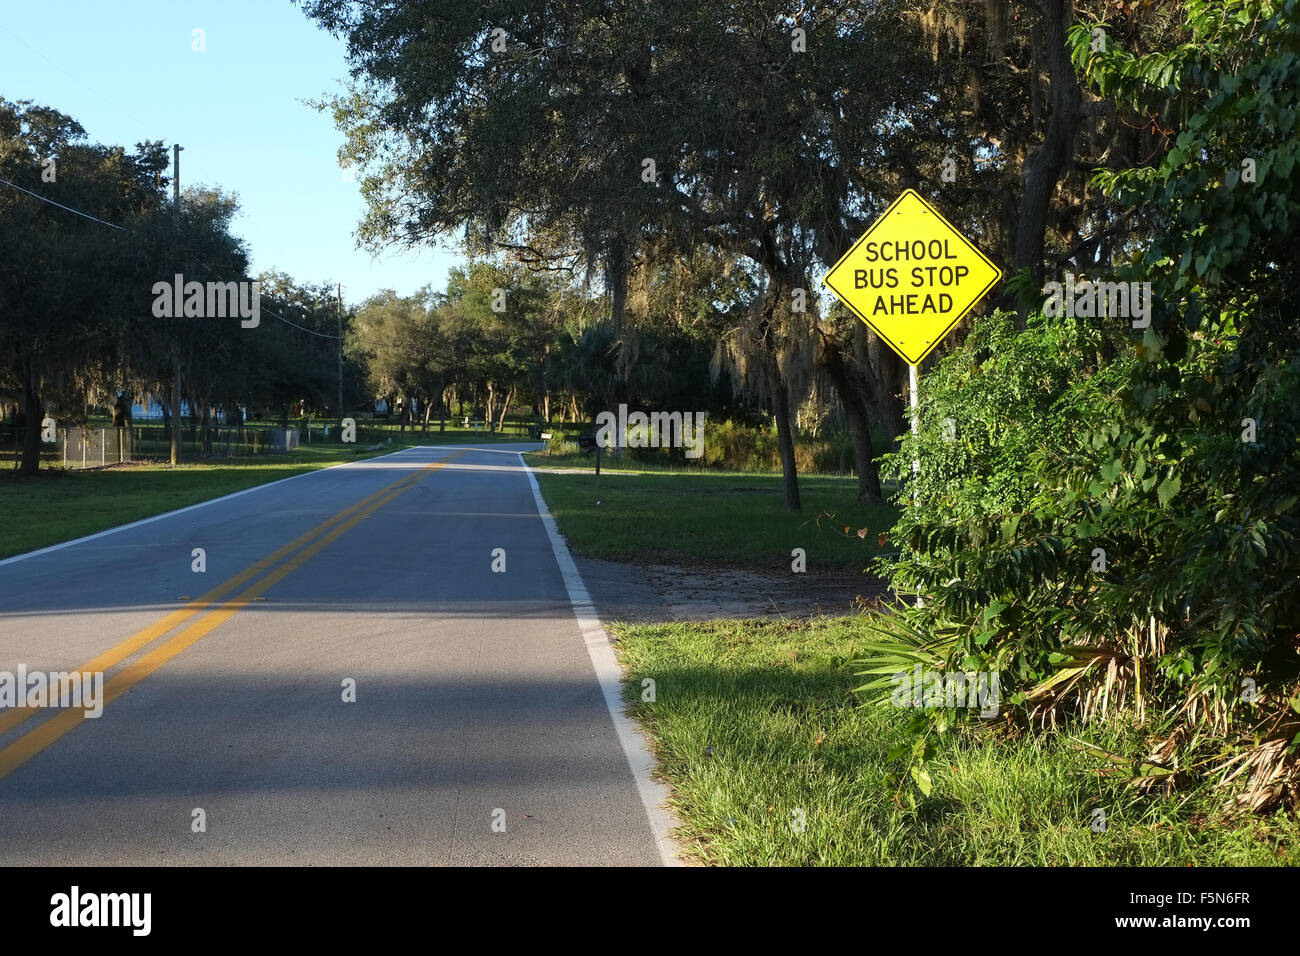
{"points": [[479, 734]]}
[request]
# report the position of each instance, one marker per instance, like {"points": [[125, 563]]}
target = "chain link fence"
{"points": [[89, 447]]}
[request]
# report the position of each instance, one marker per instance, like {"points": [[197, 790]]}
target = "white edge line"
{"points": [[654, 795], [202, 504]]}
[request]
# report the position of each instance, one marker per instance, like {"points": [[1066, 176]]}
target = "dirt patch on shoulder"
{"points": [[670, 592], [710, 593]]}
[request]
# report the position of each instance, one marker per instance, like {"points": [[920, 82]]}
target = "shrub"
{"points": [[1115, 528]]}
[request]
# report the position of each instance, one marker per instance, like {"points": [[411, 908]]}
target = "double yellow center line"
{"points": [[311, 543]]}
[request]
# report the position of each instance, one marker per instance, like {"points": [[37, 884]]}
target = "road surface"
{"points": [[480, 732]]}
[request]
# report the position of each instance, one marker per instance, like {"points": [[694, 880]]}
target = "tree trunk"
{"points": [[428, 413], [122, 411], [207, 429], [616, 280], [176, 411], [505, 407], [33, 415], [853, 391], [780, 393], [885, 370], [776, 300], [1045, 166]]}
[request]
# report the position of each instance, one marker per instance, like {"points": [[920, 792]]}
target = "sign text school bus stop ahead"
{"points": [[912, 277]]}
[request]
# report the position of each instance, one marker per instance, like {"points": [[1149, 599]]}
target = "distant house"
{"points": [[381, 406], [154, 410]]}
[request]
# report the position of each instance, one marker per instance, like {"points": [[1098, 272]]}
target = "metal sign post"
{"points": [[916, 421], [916, 431]]}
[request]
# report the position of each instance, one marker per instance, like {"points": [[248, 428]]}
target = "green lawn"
{"points": [[586, 461], [60, 505], [756, 729], [729, 519]]}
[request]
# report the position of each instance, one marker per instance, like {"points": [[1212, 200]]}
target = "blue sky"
{"points": [[127, 71]]}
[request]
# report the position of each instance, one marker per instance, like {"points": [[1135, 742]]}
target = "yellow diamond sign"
{"points": [[912, 277]]}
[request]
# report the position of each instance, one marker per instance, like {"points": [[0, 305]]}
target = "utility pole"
{"points": [[176, 179], [176, 350], [339, 416]]}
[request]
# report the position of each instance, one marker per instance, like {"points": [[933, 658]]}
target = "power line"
{"points": [[282, 318], [287, 322], [60, 205], [269, 312]]}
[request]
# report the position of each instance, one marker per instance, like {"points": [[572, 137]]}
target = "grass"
{"points": [[59, 505], [734, 520], [755, 727], [586, 461]]}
